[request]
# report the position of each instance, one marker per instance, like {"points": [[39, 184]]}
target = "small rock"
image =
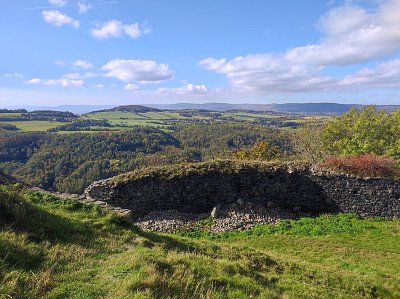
{"points": [[240, 201], [214, 212]]}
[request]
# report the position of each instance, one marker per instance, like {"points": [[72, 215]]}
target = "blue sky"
{"points": [[156, 51]]}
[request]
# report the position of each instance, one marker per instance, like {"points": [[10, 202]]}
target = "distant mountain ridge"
{"points": [[297, 108], [301, 108]]}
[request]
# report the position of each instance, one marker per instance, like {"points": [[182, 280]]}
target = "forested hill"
{"points": [[130, 108], [70, 162]]}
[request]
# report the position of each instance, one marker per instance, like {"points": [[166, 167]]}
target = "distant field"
{"points": [[131, 119], [157, 119], [9, 114], [250, 115], [162, 120], [114, 115], [155, 115], [31, 126], [80, 132]]}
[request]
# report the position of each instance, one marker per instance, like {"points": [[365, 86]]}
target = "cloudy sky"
{"points": [[164, 51]]}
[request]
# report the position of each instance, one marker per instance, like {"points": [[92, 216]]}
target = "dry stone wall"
{"points": [[198, 188]]}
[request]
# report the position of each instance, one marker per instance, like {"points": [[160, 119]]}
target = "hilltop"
{"points": [[130, 108]]}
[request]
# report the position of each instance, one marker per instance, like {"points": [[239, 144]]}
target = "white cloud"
{"points": [[77, 76], [84, 7], [59, 62], [58, 2], [342, 20], [132, 30], [115, 28], [385, 75], [143, 71], [213, 64], [56, 82], [264, 73], [83, 64], [267, 73], [132, 86], [98, 85], [14, 75], [58, 19], [188, 89], [353, 34]]}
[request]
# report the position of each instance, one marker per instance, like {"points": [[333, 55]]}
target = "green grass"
{"points": [[83, 132], [129, 119], [115, 115], [58, 248], [156, 119], [155, 115], [31, 126], [11, 114]]}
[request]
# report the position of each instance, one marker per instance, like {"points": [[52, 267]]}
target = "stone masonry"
{"points": [[198, 188]]}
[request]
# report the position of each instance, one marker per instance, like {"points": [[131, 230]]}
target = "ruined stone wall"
{"points": [[198, 188]]}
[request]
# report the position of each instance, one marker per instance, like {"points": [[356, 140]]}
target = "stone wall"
{"points": [[199, 187]]}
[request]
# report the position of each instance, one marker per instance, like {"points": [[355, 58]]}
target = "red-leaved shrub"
{"points": [[367, 165]]}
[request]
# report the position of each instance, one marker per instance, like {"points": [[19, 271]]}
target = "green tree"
{"points": [[394, 149], [360, 131], [307, 142]]}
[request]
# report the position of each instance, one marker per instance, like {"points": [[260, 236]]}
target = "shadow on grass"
{"points": [[236, 266], [41, 225], [165, 241], [15, 256], [45, 226]]}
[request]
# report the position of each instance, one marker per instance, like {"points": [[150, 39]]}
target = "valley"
{"points": [[200, 149]]}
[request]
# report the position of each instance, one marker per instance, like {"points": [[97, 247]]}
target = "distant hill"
{"points": [[132, 108], [82, 109], [76, 109], [39, 115], [300, 108], [194, 106]]}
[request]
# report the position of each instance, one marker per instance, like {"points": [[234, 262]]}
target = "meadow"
{"points": [[35, 125], [60, 248]]}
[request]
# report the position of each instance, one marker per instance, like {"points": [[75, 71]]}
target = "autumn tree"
{"points": [[307, 142], [261, 151]]}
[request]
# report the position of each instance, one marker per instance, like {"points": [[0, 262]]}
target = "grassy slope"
{"points": [[63, 249], [35, 125]]}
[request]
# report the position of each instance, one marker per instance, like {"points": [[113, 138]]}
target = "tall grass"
{"points": [[60, 248]]}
